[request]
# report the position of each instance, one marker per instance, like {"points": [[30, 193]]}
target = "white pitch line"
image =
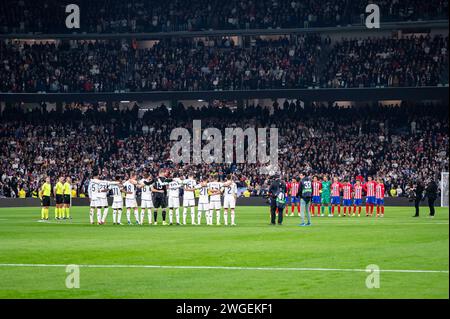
{"points": [[231, 268]]}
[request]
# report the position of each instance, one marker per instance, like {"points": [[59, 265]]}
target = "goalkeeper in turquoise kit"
{"points": [[326, 195]]}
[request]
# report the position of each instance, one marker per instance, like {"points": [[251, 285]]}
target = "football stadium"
{"points": [[191, 149]]}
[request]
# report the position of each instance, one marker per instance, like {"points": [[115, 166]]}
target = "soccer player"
{"points": [[369, 188], [215, 199], [173, 190], [93, 190], [229, 200], [130, 198], [146, 198], [44, 194], [305, 191], [316, 188], [102, 199], [347, 197], [288, 197], [189, 198], [117, 204], [159, 190], [58, 191], [357, 198], [326, 195], [379, 196], [203, 203], [67, 197], [335, 195], [294, 196]]}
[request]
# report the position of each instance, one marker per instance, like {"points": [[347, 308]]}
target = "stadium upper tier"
{"points": [[116, 16], [200, 65]]}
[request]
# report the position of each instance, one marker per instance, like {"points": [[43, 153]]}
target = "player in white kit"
{"points": [[203, 203], [189, 199], [130, 198], [146, 198], [103, 198], [173, 192], [93, 189], [229, 200], [214, 188], [117, 204]]}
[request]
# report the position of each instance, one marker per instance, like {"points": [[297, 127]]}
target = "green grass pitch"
{"points": [[340, 245]]}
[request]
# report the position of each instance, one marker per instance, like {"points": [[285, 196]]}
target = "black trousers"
{"points": [[431, 205], [273, 213], [417, 205]]}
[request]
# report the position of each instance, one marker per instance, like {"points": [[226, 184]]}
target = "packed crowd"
{"points": [[220, 64], [387, 62], [48, 16], [398, 143]]}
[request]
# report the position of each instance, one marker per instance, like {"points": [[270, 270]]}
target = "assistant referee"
{"points": [[44, 194]]}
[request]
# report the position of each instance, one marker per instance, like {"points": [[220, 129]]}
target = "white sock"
{"points": [[149, 214], [211, 212], [119, 216], [142, 216], [99, 215], [232, 216], [218, 216], [225, 216], [105, 214], [128, 215], [91, 215], [114, 215], [199, 217], [170, 216], [136, 215], [192, 215], [177, 214], [184, 215]]}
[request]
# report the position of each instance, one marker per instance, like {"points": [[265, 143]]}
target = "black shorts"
{"points": [[45, 201], [59, 199], [159, 200], [67, 199]]}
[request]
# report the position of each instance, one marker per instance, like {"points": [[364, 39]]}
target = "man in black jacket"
{"points": [[431, 193], [277, 189], [418, 196]]}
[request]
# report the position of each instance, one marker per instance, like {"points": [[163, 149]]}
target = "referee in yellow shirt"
{"points": [[59, 198], [67, 197], [44, 194]]}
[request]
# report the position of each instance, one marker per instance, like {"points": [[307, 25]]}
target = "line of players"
{"points": [[163, 192], [327, 194]]}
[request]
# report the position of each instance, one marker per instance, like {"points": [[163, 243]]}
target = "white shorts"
{"points": [[203, 206], [117, 204], [146, 203], [130, 203], [94, 202], [229, 202], [174, 202], [188, 202], [102, 202], [215, 205]]}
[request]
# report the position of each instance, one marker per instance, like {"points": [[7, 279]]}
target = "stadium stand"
{"points": [[400, 143]]}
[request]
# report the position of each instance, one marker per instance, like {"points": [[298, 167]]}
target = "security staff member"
{"points": [[277, 190], [418, 196], [431, 193]]}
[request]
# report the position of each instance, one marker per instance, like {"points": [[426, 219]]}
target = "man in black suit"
{"points": [[431, 193], [277, 190], [418, 196]]}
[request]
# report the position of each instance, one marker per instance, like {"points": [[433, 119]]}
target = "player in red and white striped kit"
{"points": [[379, 196], [347, 197], [335, 195], [357, 197], [315, 202], [369, 188], [293, 194]]}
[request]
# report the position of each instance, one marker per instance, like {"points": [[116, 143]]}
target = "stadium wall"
{"points": [[250, 201]]}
